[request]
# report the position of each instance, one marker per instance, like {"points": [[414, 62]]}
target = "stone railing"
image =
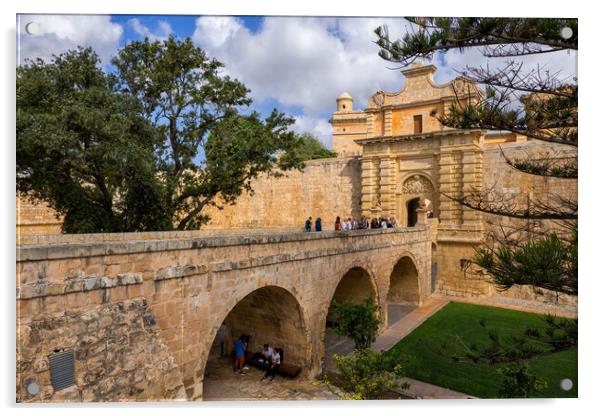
{"points": [[28, 240], [86, 245]]}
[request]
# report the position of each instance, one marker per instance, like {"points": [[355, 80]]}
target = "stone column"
{"points": [[370, 125], [388, 123], [368, 185], [450, 183], [472, 163], [387, 186]]}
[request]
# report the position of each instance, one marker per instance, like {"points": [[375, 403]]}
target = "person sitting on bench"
{"points": [[267, 353], [274, 366]]}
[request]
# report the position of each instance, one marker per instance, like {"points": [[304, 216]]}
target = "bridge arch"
{"points": [[404, 289], [269, 314], [356, 283]]}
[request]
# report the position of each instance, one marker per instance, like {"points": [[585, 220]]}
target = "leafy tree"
{"points": [[519, 381], [85, 147], [366, 376], [309, 148], [146, 148], [536, 103], [357, 321], [209, 148], [548, 263]]}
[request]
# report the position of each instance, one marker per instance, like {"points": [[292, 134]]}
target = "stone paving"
{"points": [[407, 324], [222, 383], [421, 390]]}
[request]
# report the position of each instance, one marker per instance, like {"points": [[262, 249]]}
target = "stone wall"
{"points": [[36, 218], [457, 281], [118, 355], [527, 189], [326, 188]]}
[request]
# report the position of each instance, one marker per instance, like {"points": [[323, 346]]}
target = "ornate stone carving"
{"points": [[417, 184], [378, 99]]}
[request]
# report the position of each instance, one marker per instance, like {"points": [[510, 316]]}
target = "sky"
{"points": [[299, 65]]}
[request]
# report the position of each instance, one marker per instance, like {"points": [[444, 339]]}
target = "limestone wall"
{"points": [[36, 218], [117, 354], [528, 189], [326, 188], [455, 280]]}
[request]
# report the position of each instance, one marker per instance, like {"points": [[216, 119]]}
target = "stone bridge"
{"points": [[138, 313]]}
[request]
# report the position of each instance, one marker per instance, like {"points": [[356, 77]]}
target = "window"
{"points": [[417, 124]]}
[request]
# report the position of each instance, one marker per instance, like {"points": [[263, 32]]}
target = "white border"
{"points": [[591, 290]]}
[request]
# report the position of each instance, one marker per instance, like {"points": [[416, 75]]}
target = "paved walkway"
{"points": [[421, 390], [398, 331]]}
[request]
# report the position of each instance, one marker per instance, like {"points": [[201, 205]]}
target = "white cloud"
{"points": [[163, 30], [305, 63], [302, 62], [59, 33], [319, 127]]}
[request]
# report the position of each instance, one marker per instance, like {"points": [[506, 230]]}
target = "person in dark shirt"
{"points": [[318, 224], [308, 225]]}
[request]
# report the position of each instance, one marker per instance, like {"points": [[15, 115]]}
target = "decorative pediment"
{"points": [[420, 86]]}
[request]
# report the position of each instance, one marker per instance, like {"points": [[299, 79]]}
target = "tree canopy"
{"points": [[147, 147], [81, 142]]}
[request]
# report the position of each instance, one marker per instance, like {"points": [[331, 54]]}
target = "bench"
{"points": [[288, 370]]}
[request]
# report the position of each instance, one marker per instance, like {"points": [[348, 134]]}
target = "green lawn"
{"points": [[428, 351]]}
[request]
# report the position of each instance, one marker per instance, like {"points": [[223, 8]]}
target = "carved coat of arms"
{"points": [[417, 185]]}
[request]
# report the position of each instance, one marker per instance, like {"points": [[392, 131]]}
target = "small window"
{"points": [[344, 107], [418, 124]]}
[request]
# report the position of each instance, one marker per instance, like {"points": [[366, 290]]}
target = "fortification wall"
{"points": [[455, 280], [326, 188], [36, 218]]}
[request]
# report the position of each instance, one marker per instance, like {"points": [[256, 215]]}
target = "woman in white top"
{"points": [[274, 366]]}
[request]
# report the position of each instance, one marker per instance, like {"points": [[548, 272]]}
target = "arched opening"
{"points": [[356, 285], [416, 191], [413, 205], [269, 315], [404, 293]]}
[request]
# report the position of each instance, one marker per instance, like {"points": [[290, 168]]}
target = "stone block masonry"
{"points": [[130, 304]]}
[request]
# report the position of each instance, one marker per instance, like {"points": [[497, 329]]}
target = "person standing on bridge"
{"points": [[308, 225], [318, 224], [337, 224]]}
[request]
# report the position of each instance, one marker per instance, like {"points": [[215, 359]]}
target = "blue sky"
{"points": [[298, 65]]}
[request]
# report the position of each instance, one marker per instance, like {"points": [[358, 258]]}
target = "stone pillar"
{"points": [[370, 125], [450, 183], [387, 186], [472, 162], [388, 123], [421, 216], [369, 185]]}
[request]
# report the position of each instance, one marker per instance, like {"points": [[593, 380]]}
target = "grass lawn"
{"points": [[428, 350]]}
